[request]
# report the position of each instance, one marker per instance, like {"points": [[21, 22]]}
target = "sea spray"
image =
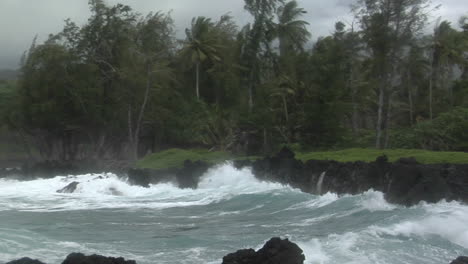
{"points": [[320, 183]]}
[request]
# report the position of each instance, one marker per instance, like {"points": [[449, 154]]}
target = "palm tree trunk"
{"points": [[141, 114], [430, 97], [285, 105], [431, 84], [411, 107], [378, 139], [387, 121], [410, 99], [198, 80]]}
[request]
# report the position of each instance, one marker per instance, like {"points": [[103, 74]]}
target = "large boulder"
{"points": [[460, 260], [78, 258], [25, 261], [70, 188], [275, 251]]}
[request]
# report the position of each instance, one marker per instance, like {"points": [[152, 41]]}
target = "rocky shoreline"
{"points": [[404, 182], [275, 251]]}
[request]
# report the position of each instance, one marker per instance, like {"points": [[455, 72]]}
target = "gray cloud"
{"points": [[21, 20]]}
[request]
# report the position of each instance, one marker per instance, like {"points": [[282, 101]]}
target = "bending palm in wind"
{"points": [[292, 32], [200, 45]]}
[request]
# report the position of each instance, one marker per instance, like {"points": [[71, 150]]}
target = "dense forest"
{"points": [[123, 85]]}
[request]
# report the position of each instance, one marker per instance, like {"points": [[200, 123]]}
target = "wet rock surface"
{"points": [[25, 261], [460, 260], [404, 182], [275, 251], [70, 188], [186, 177], [78, 258]]}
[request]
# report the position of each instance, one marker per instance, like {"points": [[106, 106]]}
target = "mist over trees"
{"points": [[123, 85]]}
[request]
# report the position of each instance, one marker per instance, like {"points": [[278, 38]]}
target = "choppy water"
{"points": [[229, 211]]}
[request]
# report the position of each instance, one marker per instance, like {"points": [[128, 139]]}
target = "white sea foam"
{"points": [[314, 252], [96, 191], [375, 201], [446, 220], [335, 248]]}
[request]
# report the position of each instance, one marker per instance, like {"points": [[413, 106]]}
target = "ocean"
{"points": [[230, 210]]}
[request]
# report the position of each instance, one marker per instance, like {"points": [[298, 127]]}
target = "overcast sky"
{"points": [[21, 20]]}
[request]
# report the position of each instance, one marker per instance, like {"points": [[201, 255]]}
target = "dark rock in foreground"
{"points": [[25, 261], [460, 260], [70, 188], [78, 258], [404, 182], [275, 251]]}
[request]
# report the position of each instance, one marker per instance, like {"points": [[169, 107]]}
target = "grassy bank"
{"points": [[358, 154], [176, 157]]}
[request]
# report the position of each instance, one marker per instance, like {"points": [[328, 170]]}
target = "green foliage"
{"points": [[446, 132], [8, 101], [174, 158], [121, 85], [368, 155]]}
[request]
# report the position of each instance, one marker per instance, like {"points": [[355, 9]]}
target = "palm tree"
{"points": [[256, 38], [292, 32], [200, 45], [445, 52]]}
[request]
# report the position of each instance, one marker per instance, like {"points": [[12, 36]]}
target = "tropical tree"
{"points": [[414, 68], [292, 32], [388, 27], [200, 45], [146, 71], [258, 38]]}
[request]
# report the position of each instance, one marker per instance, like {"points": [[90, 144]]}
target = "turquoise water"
{"points": [[230, 210]]}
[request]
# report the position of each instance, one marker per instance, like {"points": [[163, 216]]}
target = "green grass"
{"points": [[357, 154], [174, 158]]}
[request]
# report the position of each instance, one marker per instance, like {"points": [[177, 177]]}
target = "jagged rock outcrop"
{"points": [[78, 258], [275, 251], [460, 260], [186, 177], [190, 174], [70, 188], [404, 182], [145, 177], [25, 261]]}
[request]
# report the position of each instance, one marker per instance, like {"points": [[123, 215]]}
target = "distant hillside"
{"points": [[9, 74]]}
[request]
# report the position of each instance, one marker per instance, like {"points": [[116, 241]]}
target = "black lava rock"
{"points": [[405, 182], [145, 177], [275, 251], [78, 258], [25, 261], [70, 188], [190, 174], [460, 260]]}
